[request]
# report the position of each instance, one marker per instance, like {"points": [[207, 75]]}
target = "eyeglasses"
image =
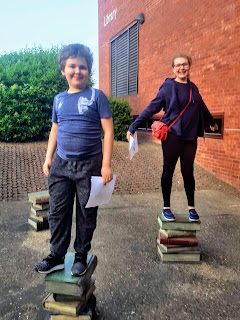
{"points": [[184, 65]]}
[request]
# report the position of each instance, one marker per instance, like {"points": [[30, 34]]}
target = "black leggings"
{"points": [[173, 148]]}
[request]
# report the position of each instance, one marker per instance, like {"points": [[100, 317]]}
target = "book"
{"points": [[175, 248], [187, 256], [64, 317], [71, 308], [178, 233], [181, 241], [63, 297], [88, 311], [38, 225], [40, 206], [39, 218], [181, 223], [63, 282], [39, 197], [38, 211]]}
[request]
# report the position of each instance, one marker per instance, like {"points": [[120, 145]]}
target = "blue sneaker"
{"points": [[168, 215], [193, 216]]}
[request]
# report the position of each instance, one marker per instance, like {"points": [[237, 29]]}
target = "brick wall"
{"points": [[209, 31]]}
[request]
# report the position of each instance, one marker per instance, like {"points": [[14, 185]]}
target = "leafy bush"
{"points": [[122, 119], [29, 80]]}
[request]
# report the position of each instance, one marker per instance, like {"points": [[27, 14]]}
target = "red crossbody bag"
{"points": [[160, 129]]}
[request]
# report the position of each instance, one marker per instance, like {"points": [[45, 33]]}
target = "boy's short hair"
{"points": [[73, 51]]}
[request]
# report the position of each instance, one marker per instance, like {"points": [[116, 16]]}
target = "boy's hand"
{"points": [[46, 166], [107, 175]]}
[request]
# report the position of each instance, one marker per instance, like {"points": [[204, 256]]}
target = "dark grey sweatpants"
{"points": [[67, 179]]}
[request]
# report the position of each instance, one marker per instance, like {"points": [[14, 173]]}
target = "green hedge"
{"points": [[122, 119]]}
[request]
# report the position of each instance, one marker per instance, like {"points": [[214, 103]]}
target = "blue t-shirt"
{"points": [[78, 116]]}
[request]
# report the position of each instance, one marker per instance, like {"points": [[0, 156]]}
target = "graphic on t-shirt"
{"points": [[59, 103], [84, 103]]}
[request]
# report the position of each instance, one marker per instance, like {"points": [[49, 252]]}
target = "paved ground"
{"points": [[131, 282], [21, 166]]}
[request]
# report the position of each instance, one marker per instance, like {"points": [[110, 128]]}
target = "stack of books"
{"points": [[177, 240], [71, 297], [38, 219]]}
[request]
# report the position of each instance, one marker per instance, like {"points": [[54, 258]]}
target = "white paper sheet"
{"points": [[133, 145], [100, 193]]}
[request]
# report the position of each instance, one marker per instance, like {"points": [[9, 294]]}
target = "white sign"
{"points": [[109, 17], [133, 145], [100, 193]]}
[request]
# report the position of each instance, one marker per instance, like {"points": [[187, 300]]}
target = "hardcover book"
{"points": [[181, 241], [63, 282], [88, 312], [178, 233], [39, 212], [168, 248], [67, 307], [41, 206], [179, 256], [39, 218], [39, 197], [38, 225], [64, 297], [181, 223], [64, 317]]}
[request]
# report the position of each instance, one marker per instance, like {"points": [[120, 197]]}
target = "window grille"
{"points": [[124, 62]]}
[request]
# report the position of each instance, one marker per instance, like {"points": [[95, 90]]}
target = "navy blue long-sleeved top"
{"points": [[172, 97]]}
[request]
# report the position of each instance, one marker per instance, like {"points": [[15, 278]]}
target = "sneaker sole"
{"points": [[58, 267], [168, 219], [193, 220], [78, 274]]}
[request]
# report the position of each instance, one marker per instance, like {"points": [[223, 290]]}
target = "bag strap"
{"points": [[190, 98]]}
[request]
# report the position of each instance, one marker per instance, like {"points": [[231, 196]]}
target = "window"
{"points": [[147, 124], [124, 62]]}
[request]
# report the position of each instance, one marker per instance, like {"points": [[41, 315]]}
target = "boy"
{"points": [[79, 114]]}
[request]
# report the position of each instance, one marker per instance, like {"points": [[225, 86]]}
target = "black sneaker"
{"points": [[49, 264], [80, 264], [193, 216]]}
